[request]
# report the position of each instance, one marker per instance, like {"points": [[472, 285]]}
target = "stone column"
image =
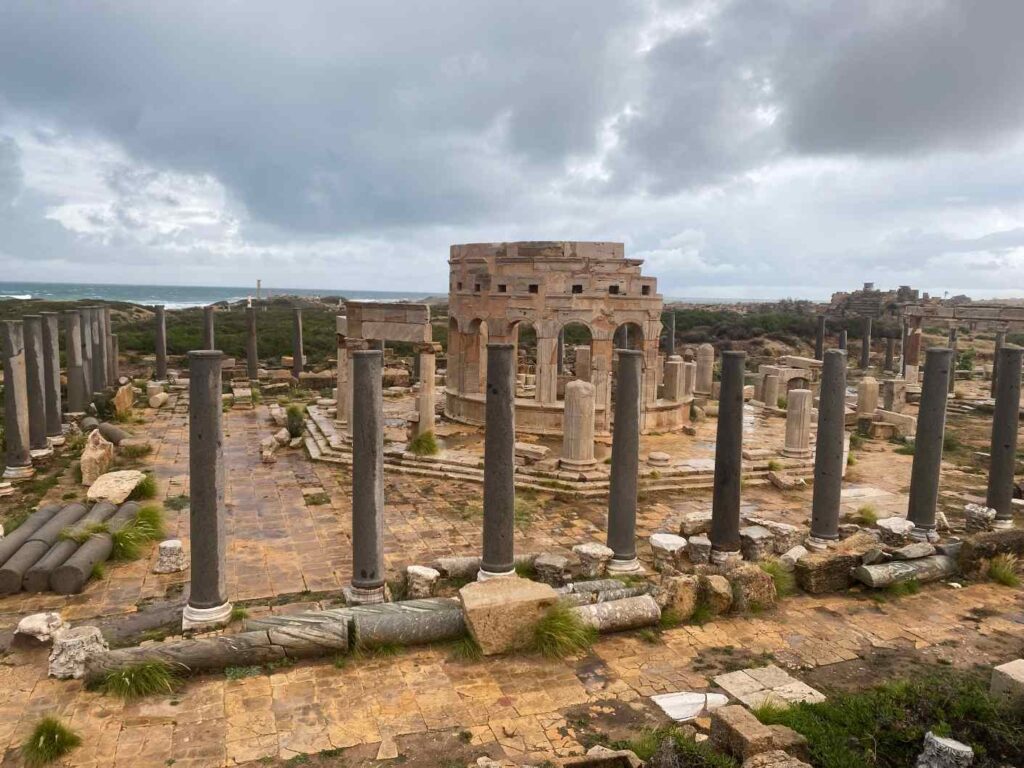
{"points": [[76, 376], [87, 353], [1000, 340], [842, 340], [903, 347], [620, 339], [251, 355], [798, 424], [952, 367], [1004, 436], [108, 334], [582, 369], [689, 377], [99, 350], [425, 399], [890, 353], [115, 357], [17, 460], [209, 334], [601, 365], [828, 460], [770, 393], [547, 370], [499, 463], [705, 370], [560, 357], [578, 426], [298, 359], [865, 345], [367, 479], [931, 425], [51, 377], [673, 389], [207, 601], [161, 343], [341, 393], [622, 490], [671, 334], [867, 397], [35, 375], [819, 339], [725, 499]]}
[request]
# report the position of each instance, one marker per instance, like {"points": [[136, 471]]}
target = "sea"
{"points": [[182, 296]]}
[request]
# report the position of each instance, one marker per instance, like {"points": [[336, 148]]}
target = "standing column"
{"points": [[670, 336], [1000, 340], [499, 464], [17, 460], [367, 479], [582, 365], [161, 343], [673, 389], [931, 425], [578, 426], [425, 399], [51, 376], [115, 358], [207, 601], [842, 340], [35, 375], [99, 349], [342, 392], [890, 352], [298, 359], [547, 370], [865, 345], [725, 503], [251, 355], [798, 424], [903, 347], [867, 397], [705, 370], [1004, 436], [689, 378], [770, 392], [952, 367], [108, 335], [560, 357], [828, 460], [819, 339], [622, 490], [86, 353], [76, 376], [209, 336]]}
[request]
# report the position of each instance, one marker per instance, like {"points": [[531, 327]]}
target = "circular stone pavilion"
{"points": [[498, 289]]}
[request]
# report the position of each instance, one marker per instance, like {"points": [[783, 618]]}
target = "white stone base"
{"points": [[624, 566], [925, 534], [41, 454], [205, 618], [724, 557], [794, 454], [357, 596], [483, 575], [577, 466], [19, 473], [815, 544], [1002, 524], [58, 440]]}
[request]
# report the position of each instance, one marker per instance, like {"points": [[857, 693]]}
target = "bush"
{"points": [[296, 420], [423, 445], [146, 489], [561, 633], [50, 740]]}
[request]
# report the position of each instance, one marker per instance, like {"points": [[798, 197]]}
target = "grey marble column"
{"points": [[51, 377], [161, 343], [207, 601], [842, 340], [108, 333], [298, 360], [209, 333], [1005, 422], [819, 339], [85, 321], [1000, 340], [99, 349], [865, 344], [952, 366], [367, 479], [931, 425], [725, 498], [890, 352], [17, 460], [35, 375], [499, 464], [76, 376], [828, 459], [252, 361], [622, 491]]}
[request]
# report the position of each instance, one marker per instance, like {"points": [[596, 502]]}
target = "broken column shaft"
{"points": [[51, 377], [865, 344], [161, 343], [76, 376], [17, 460], [252, 362], [1005, 422], [35, 376], [209, 333], [298, 359]]}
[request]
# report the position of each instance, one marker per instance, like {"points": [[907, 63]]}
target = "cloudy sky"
{"points": [[753, 148]]}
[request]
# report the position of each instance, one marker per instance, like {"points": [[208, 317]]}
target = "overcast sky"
{"points": [[761, 148]]}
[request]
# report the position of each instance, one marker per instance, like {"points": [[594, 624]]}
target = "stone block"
{"points": [[756, 542], [41, 627], [667, 549], [123, 400], [752, 588], [940, 752], [913, 551], [985, 546], [775, 758], [114, 487], [153, 388], [785, 482], [552, 569], [501, 613], [895, 531], [699, 549], [791, 557], [593, 559], [532, 452], [158, 400], [735, 731], [978, 517], [716, 593], [828, 571], [790, 742], [72, 648], [658, 459], [420, 581], [695, 523], [1008, 682], [681, 595], [170, 557], [96, 457], [689, 705]]}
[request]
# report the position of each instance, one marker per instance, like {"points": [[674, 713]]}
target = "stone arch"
{"points": [[629, 335], [474, 356], [575, 352]]}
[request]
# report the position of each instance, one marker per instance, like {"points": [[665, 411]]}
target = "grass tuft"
{"points": [[98, 572], [150, 522], [423, 445], [774, 466], [865, 515], [177, 503], [785, 581], [1005, 569], [295, 420], [144, 679], [83, 534], [466, 649], [239, 613], [670, 618], [561, 633], [50, 741], [146, 489], [135, 451], [240, 673], [903, 588]]}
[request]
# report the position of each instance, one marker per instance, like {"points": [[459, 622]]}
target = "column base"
{"points": [[624, 566], [816, 544], [205, 618], [41, 455], [19, 473], [796, 454], [925, 534], [577, 465], [58, 440], [358, 596], [73, 417], [725, 557], [1002, 525], [6, 489], [483, 575]]}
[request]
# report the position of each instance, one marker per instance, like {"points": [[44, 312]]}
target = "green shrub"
{"points": [[670, 746], [785, 581], [295, 420], [865, 515], [146, 489], [1005, 569], [50, 740], [561, 633], [907, 449], [466, 649], [424, 444], [177, 503], [138, 680]]}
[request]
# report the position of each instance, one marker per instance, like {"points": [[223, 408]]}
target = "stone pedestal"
{"points": [[252, 361], [367, 478], [865, 345], [425, 398], [51, 377], [798, 424], [499, 464], [828, 462], [689, 378], [209, 334], [76, 376], [582, 369], [35, 377], [207, 601], [931, 424], [1005, 422], [17, 460], [622, 491], [578, 426], [910, 374], [673, 389], [547, 370], [705, 370], [298, 357], [770, 390], [725, 509], [161, 343], [867, 397]]}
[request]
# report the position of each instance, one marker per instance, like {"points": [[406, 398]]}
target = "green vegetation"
{"points": [[965, 360], [785, 582], [423, 445], [144, 679], [466, 649], [317, 499], [906, 449], [670, 746], [129, 540], [132, 452], [240, 673], [702, 613], [561, 633], [83, 534], [239, 613], [670, 618], [98, 571], [177, 503], [903, 588], [950, 442], [1005, 569], [50, 740], [865, 515], [885, 726], [296, 420], [782, 403], [774, 465], [150, 521], [146, 489]]}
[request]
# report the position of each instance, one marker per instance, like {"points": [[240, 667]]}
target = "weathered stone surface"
{"points": [[140, 444], [458, 567], [420, 581], [753, 589], [978, 517], [71, 649], [123, 400], [667, 549], [681, 594], [282, 437], [531, 451], [695, 523], [940, 752], [171, 557], [985, 546], [791, 557], [114, 487], [96, 457], [153, 388], [874, 556], [501, 613], [756, 542], [785, 482], [40, 626], [775, 758], [552, 569], [698, 548], [1008, 681], [716, 593], [923, 570], [593, 559], [689, 705], [895, 531], [735, 731], [658, 459], [790, 742], [832, 570], [159, 400], [620, 615], [913, 551], [113, 433]]}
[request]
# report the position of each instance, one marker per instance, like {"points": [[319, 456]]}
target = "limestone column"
{"points": [[931, 425], [705, 370], [582, 368], [367, 478], [1000, 340], [17, 460], [578, 426], [828, 459], [425, 399], [251, 354], [547, 370], [890, 352], [725, 499], [770, 395], [207, 601], [903, 347], [673, 389], [86, 353], [35, 376], [99, 349], [798, 424], [865, 345], [499, 463], [51, 377], [209, 335], [341, 393], [601, 365], [842, 340], [298, 359], [161, 343], [1004, 436], [76, 376], [689, 377], [108, 335], [867, 397], [115, 357], [952, 367], [622, 492], [819, 339]]}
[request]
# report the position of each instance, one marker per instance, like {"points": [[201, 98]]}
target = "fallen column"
{"points": [[923, 569], [10, 543], [725, 499], [931, 425], [17, 459], [620, 615], [622, 488], [51, 377], [1005, 423], [35, 378], [828, 460], [160, 342], [38, 544], [77, 389], [499, 464], [37, 578], [71, 576]]}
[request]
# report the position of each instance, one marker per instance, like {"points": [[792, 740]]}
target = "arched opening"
{"points": [[575, 354], [526, 357], [628, 336], [474, 357]]}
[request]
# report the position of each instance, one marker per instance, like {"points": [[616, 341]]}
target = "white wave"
{"points": [[20, 296]]}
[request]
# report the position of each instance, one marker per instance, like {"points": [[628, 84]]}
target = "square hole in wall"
{"points": [[459, 286], [613, 289], [476, 287], [645, 290], [534, 288], [577, 288], [502, 288]]}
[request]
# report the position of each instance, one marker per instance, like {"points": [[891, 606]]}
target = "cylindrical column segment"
{"points": [[1004, 435], [499, 463], [725, 499], [17, 460], [931, 425], [251, 354], [367, 478], [622, 489], [828, 460], [161, 343], [51, 377]]}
